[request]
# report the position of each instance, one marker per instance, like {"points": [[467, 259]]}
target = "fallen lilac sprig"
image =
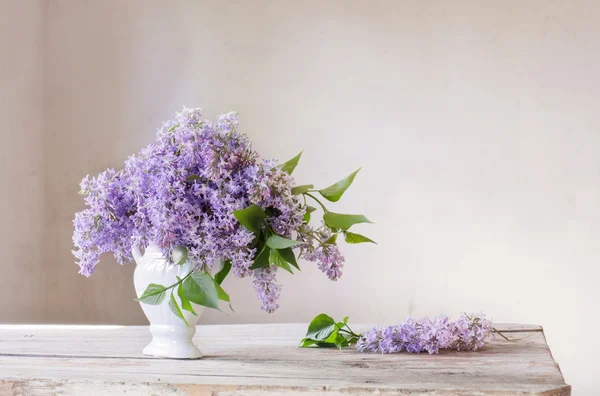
{"points": [[467, 333]]}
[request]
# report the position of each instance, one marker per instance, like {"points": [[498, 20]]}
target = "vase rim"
{"points": [[152, 250]]}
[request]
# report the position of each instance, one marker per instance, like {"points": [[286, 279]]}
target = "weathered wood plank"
{"points": [[260, 359]]}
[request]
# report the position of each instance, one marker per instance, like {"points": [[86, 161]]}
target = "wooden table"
{"points": [[263, 359]]}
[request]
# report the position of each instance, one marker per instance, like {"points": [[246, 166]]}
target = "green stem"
{"points": [[351, 332], [262, 250], [316, 237], [179, 281], [509, 339], [501, 335], [319, 202]]}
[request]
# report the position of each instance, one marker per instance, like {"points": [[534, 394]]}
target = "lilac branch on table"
{"points": [[467, 333]]}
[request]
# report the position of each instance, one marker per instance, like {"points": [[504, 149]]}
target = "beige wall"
{"points": [[21, 163], [476, 123]]}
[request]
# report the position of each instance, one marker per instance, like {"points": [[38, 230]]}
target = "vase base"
{"points": [[190, 352], [174, 342]]}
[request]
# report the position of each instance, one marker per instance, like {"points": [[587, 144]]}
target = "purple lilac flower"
{"points": [[104, 226], [182, 190], [266, 289], [370, 340], [328, 255], [468, 333]]}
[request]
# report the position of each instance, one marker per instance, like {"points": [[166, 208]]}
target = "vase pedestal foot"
{"points": [[172, 342]]}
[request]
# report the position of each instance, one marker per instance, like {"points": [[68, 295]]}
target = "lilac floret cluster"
{"points": [[328, 257], [467, 333], [182, 190]]}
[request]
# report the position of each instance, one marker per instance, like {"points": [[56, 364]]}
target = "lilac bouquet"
{"points": [[205, 197]]}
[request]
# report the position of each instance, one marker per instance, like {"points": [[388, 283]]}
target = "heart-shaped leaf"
{"points": [[321, 327], [324, 332]]}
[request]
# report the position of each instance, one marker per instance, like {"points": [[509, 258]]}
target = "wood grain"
{"points": [[264, 359]]}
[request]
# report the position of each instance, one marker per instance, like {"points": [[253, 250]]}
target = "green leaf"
{"points": [[288, 255], [290, 165], [175, 308], [262, 260], [332, 239], [306, 342], [173, 128], [324, 332], [251, 217], [185, 303], [309, 210], [276, 259], [337, 339], [225, 268], [328, 338], [302, 189], [278, 242], [193, 177], [343, 221], [221, 293], [200, 289], [179, 255], [332, 337], [357, 238], [153, 295], [334, 192], [321, 327]]}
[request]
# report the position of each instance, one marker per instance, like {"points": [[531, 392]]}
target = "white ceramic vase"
{"points": [[171, 338]]}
